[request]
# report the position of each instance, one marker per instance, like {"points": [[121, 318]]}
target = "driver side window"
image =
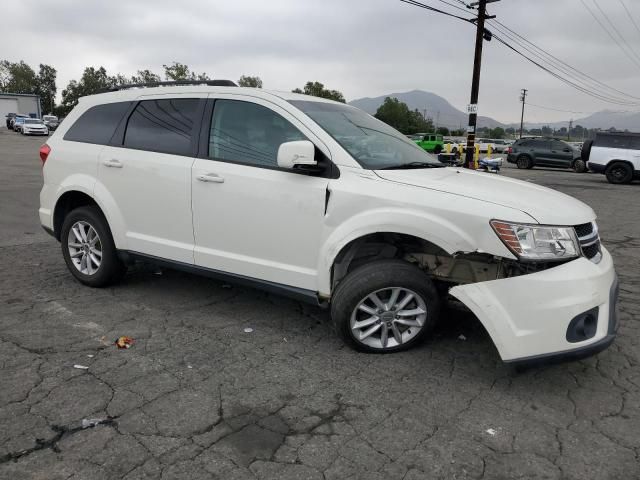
{"points": [[248, 133]]}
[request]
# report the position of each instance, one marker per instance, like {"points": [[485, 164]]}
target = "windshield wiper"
{"points": [[412, 165]]}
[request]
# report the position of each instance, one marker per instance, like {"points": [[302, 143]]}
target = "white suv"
{"points": [[320, 201], [617, 155]]}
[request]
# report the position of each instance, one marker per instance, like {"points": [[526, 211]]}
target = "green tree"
{"points": [[497, 132], [92, 81], [145, 76], [179, 71], [46, 87], [395, 113], [546, 131], [443, 131], [317, 89], [248, 81], [20, 77]]}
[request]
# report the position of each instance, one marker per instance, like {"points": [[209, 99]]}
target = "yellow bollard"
{"points": [[489, 151], [476, 157], [448, 148]]}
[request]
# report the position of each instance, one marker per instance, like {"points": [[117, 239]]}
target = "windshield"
{"points": [[33, 121], [372, 143], [50, 118]]}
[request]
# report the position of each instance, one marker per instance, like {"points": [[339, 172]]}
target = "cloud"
{"points": [[361, 47]]}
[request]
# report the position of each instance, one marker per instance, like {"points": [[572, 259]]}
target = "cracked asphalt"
{"points": [[198, 398]]}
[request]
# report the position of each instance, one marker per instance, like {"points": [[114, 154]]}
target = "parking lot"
{"points": [[233, 383]]}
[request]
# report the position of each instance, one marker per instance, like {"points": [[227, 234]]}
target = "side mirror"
{"points": [[297, 153]]}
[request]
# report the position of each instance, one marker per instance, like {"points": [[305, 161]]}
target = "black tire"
{"points": [[619, 173], [437, 150], [375, 276], [524, 162], [579, 166], [585, 153], [111, 268]]}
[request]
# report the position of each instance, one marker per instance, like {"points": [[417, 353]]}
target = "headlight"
{"points": [[535, 242]]}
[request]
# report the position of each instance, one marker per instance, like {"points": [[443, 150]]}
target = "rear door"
{"points": [[541, 150], [147, 172]]}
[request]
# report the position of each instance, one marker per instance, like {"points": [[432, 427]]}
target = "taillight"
{"points": [[45, 150], [508, 150]]}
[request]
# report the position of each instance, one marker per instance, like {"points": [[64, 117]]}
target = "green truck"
{"points": [[430, 142]]}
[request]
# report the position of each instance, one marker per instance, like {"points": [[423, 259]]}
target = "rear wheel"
{"points": [[385, 306], [619, 173], [524, 161], [88, 248], [579, 166]]}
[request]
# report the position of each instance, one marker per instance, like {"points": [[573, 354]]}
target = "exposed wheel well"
{"points": [[445, 269], [66, 203], [377, 246]]}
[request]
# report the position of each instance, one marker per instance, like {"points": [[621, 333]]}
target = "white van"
{"points": [[320, 201], [616, 155]]}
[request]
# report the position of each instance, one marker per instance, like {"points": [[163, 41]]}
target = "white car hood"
{"points": [[544, 205]]}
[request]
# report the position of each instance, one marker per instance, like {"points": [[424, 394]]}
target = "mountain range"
{"points": [[446, 115]]}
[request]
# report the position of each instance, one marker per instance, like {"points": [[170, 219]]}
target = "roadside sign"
{"points": [[472, 108]]}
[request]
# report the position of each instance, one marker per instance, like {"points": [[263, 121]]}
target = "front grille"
{"points": [[584, 229], [589, 241]]}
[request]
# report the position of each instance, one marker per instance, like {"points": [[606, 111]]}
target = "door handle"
{"points": [[210, 178], [113, 163]]}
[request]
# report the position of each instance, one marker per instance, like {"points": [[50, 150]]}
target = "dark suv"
{"points": [[545, 152]]}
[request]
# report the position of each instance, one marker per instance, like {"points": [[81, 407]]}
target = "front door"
{"points": [[250, 217], [562, 154]]}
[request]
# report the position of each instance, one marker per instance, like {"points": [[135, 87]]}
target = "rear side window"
{"points": [[612, 141], [164, 126], [97, 124], [635, 143]]}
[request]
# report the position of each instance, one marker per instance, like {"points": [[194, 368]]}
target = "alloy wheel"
{"points": [[85, 248], [388, 318]]}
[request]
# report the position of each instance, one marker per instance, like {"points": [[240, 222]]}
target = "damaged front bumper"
{"points": [[532, 318]]}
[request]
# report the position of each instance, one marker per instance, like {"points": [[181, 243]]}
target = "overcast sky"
{"points": [[360, 47]]}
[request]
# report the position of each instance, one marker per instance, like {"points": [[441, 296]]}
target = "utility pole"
{"points": [[523, 98], [570, 127], [481, 36]]}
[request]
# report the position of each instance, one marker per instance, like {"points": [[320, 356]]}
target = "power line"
{"points": [[630, 56], [633, 20], [455, 6], [560, 77], [615, 29], [558, 64], [558, 109], [437, 10]]}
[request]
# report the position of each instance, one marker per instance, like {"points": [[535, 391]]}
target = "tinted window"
{"points": [[97, 124], [244, 132], [612, 141], [635, 143], [164, 126], [559, 146]]}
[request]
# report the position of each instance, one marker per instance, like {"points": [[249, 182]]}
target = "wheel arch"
{"points": [[440, 235]]}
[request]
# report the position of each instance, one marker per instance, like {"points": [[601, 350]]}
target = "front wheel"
{"points": [[524, 162], [88, 248], [437, 150], [385, 306], [619, 173]]}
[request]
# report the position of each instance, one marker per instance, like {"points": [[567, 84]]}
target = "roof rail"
{"points": [[176, 83]]}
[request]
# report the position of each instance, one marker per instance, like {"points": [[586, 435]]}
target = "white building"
{"points": [[24, 103]]}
